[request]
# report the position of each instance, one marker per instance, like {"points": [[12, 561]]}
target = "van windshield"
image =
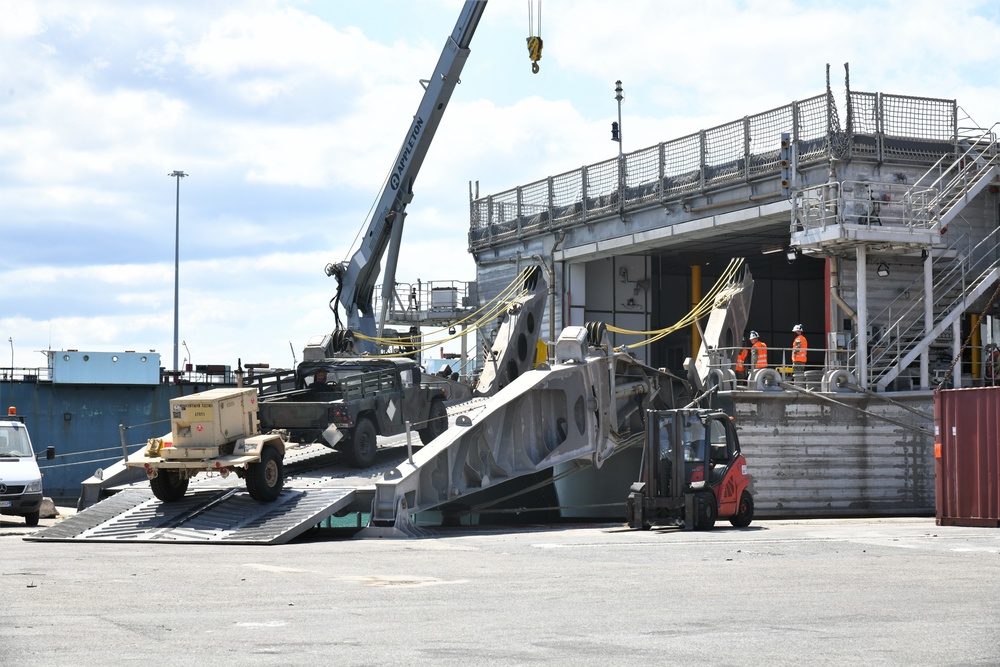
{"points": [[14, 441]]}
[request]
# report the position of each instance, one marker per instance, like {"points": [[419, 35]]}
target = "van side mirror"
{"points": [[50, 453]]}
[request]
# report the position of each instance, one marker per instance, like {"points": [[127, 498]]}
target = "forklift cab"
{"points": [[692, 472], [679, 435]]}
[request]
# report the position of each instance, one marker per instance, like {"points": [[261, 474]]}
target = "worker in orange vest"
{"points": [[758, 353], [799, 348], [742, 360]]}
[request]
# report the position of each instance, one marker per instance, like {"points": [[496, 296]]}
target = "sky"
{"points": [[287, 116]]}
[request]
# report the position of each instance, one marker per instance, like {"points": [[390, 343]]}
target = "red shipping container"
{"points": [[967, 456]]}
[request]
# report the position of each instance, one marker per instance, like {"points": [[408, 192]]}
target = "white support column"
{"points": [[575, 294], [956, 349], [862, 282], [925, 380]]}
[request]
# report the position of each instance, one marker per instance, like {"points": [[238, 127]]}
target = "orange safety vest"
{"points": [[761, 353], [799, 348], [741, 359]]}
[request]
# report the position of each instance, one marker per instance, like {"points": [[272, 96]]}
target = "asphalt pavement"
{"points": [[819, 592]]}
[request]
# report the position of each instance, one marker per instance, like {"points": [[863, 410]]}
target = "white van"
{"points": [[20, 478]]}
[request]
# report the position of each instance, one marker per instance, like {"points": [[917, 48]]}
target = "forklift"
{"points": [[692, 473]]}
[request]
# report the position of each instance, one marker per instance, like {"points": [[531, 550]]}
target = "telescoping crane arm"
{"points": [[356, 278]]}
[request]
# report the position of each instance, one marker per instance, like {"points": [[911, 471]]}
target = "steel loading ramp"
{"points": [[201, 516], [584, 408], [318, 485]]}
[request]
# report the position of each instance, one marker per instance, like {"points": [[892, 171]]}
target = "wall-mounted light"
{"points": [[882, 270], [791, 254]]}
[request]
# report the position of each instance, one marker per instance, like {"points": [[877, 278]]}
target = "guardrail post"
{"points": [[121, 431], [409, 444]]}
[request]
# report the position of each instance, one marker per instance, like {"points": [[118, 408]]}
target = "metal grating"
{"points": [[202, 516], [216, 510]]}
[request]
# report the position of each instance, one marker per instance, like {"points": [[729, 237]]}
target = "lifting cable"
{"points": [[534, 38], [803, 390], [493, 308], [495, 305], [723, 290]]}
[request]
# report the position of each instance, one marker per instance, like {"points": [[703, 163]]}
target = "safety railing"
{"points": [[863, 203], [819, 361], [830, 368], [420, 300], [880, 127], [736, 152]]}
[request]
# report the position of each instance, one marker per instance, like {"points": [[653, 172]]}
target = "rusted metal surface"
{"points": [[967, 456]]}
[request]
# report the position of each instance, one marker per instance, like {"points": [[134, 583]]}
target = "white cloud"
{"points": [[288, 114]]}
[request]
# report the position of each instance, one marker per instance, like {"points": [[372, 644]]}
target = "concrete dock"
{"points": [[818, 592]]}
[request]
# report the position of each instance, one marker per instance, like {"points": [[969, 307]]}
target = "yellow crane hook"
{"points": [[535, 40]]}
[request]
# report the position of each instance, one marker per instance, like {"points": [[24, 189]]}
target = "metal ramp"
{"points": [[217, 510], [230, 516]]}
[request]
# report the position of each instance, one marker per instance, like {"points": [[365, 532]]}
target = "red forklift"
{"points": [[692, 473]]}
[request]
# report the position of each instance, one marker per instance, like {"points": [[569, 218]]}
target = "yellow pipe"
{"points": [[695, 300]]}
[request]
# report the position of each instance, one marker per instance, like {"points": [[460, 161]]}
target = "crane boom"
{"points": [[356, 278]]}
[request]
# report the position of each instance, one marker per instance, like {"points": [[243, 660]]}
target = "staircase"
{"points": [[961, 275]]}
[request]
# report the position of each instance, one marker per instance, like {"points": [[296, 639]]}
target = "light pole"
{"points": [[177, 256], [616, 135]]}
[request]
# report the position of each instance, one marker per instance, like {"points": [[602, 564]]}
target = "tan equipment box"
{"points": [[213, 418]]}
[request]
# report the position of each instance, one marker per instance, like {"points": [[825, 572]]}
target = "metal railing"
{"points": [[981, 365], [865, 203], [736, 152], [880, 127], [421, 300], [954, 177]]}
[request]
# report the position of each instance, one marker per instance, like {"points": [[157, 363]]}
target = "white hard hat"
{"points": [[797, 327], [753, 334]]}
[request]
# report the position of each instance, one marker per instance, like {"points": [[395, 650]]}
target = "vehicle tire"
{"points": [[169, 486], [630, 512], [266, 478], [360, 451], [31, 518], [634, 516], [706, 511], [744, 512], [437, 423]]}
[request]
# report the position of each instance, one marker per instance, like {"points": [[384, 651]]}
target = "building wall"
{"points": [[812, 458]]}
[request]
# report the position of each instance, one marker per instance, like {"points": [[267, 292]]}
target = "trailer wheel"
{"points": [[266, 478], [360, 451], [706, 511], [437, 423], [31, 518], [169, 486], [744, 513]]}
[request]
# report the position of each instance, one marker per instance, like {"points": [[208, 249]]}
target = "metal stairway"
{"points": [[961, 274]]}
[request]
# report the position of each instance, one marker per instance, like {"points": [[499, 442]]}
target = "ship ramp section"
{"points": [[318, 485]]}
